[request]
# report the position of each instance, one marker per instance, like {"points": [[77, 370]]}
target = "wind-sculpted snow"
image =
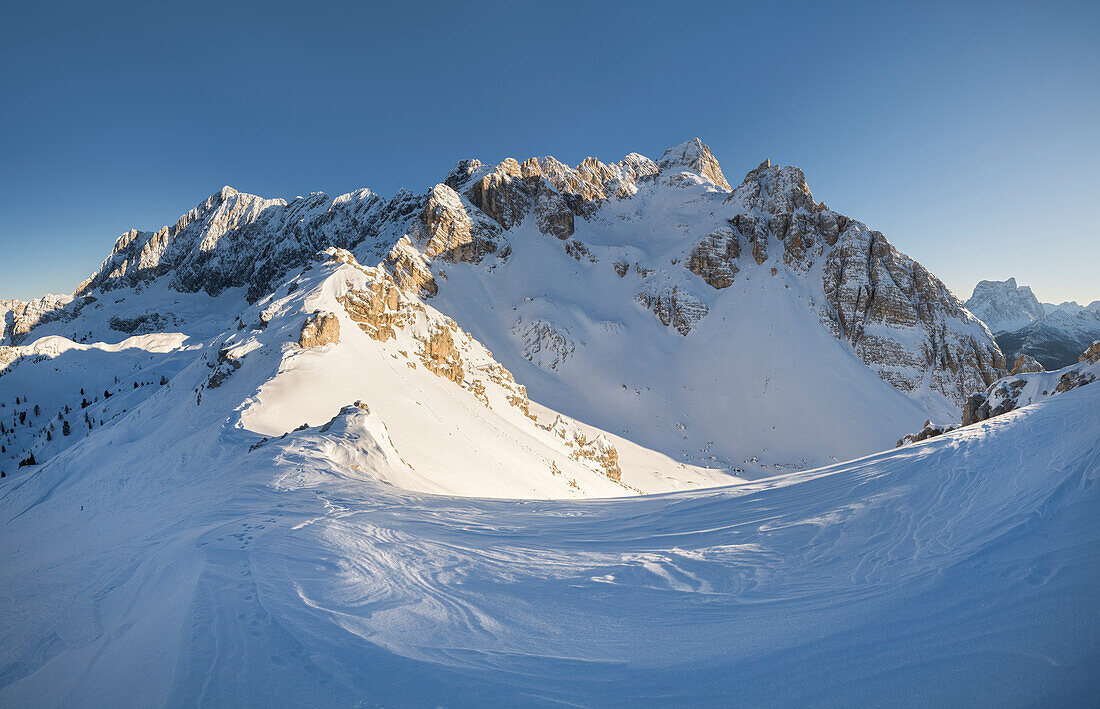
{"points": [[957, 572]]}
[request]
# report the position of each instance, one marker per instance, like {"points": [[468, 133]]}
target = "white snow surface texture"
{"points": [[959, 571]]}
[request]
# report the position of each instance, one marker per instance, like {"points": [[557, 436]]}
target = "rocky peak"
{"points": [[18, 317], [693, 156], [1005, 306], [235, 239], [772, 189]]}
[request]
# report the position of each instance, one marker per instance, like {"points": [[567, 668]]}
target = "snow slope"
{"points": [[961, 571], [760, 386], [457, 424]]}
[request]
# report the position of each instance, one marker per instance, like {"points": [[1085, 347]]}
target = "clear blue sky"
{"points": [[966, 132]]}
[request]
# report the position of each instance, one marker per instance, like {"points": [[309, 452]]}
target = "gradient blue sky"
{"points": [[967, 133]]}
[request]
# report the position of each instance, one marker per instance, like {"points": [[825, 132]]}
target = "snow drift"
{"points": [[961, 570]]}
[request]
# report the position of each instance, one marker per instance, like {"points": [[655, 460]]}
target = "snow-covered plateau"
{"points": [[617, 434]]}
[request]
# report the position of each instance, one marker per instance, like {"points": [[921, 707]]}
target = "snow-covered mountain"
{"points": [[18, 317], [732, 331], [1052, 334], [1005, 306], [251, 460]]}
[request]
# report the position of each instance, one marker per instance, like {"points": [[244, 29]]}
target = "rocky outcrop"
{"points": [[144, 323], [510, 192], [544, 344], [379, 308], [597, 453], [1025, 364], [879, 298], [439, 356], [320, 329], [553, 192], [390, 314], [674, 307], [411, 269], [18, 317], [1026, 387], [451, 231], [714, 259], [930, 430]]}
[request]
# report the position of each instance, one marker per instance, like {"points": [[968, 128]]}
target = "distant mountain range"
{"points": [[1053, 334]]}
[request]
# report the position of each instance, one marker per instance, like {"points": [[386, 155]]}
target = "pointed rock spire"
{"points": [[693, 156]]}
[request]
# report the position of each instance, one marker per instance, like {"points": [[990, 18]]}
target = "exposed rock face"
{"points": [[771, 189], [1073, 379], [880, 296], [18, 317], [544, 343], [714, 259], [320, 329], [930, 430], [411, 269], [451, 233], [388, 313], [1004, 306], [598, 453], [1027, 387], [380, 307], [693, 156], [144, 323], [1092, 354], [440, 357], [235, 239], [1025, 364], [554, 192], [674, 307]]}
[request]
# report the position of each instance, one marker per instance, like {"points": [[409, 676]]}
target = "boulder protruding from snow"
{"points": [[320, 329], [1025, 364], [1092, 354]]}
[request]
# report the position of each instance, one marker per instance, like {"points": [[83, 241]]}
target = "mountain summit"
{"points": [[1004, 306], [1052, 334], [603, 329]]}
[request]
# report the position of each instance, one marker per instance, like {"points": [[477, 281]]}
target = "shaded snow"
{"points": [[960, 571]]}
